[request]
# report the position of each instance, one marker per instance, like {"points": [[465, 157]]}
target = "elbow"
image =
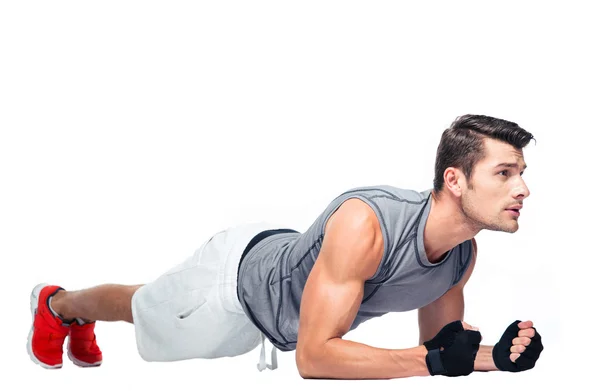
{"points": [[303, 363], [307, 362], [303, 370]]}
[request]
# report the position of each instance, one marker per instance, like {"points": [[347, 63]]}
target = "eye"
{"points": [[503, 172]]}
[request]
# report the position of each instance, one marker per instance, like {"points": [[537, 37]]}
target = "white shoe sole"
{"points": [[35, 294], [34, 299]]}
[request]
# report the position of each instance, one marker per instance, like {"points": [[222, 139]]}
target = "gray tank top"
{"points": [[273, 272]]}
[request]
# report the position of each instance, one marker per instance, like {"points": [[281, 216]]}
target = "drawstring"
{"points": [[262, 363]]}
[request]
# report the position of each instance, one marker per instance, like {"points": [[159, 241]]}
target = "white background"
{"points": [[132, 131]]}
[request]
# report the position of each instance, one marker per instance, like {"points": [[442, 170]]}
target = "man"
{"points": [[373, 250]]}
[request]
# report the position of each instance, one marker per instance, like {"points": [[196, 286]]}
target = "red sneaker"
{"points": [[48, 332], [82, 348]]}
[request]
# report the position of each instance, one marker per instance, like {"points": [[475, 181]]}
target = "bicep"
{"points": [[328, 307], [334, 290]]}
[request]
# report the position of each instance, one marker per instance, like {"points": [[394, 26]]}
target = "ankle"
{"points": [[58, 306]]}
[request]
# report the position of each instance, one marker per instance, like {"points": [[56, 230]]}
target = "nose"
{"points": [[521, 191]]}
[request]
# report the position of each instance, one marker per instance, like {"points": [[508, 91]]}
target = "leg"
{"points": [[192, 311], [108, 302]]}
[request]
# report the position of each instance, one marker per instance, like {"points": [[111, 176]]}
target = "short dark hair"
{"points": [[461, 145]]}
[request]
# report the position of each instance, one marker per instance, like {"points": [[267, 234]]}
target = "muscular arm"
{"points": [[351, 251], [448, 308]]}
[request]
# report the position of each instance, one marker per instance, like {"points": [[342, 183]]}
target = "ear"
{"points": [[452, 178]]}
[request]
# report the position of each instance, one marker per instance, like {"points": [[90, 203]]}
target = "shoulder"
{"points": [[353, 220], [393, 192], [355, 211], [353, 238]]}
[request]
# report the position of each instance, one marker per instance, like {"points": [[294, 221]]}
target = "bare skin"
{"points": [[481, 203], [523, 340], [352, 249], [109, 303], [464, 208]]}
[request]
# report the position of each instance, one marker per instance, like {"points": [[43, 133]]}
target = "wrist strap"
{"points": [[434, 362]]}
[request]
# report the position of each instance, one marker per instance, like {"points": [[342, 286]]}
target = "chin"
{"points": [[510, 227]]}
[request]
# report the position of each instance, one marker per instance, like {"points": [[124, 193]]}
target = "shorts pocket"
{"points": [[189, 311], [195, 316]]}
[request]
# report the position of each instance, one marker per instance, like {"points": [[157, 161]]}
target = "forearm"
{"points": [[343, 359], [484, 361]]}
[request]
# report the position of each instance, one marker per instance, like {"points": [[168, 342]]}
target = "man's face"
{"points": [[496, 186]]}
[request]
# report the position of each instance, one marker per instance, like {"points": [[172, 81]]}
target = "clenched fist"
{"points": [[519, 347], [453, 350]]}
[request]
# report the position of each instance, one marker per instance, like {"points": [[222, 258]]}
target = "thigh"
{"points": [[210, 331], [181, 315], [191, 326]]}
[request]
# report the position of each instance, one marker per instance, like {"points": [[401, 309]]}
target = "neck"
{"points": [[446, 227]]}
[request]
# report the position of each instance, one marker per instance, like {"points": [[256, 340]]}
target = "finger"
{"points": [[537, 338], [526, 333], [526, 324], [467, 326], [514, 356], [511, 332], [517, 349], [521, 341]]}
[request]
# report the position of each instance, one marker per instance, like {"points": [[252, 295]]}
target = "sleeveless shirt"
{"points": [[275, 266]]}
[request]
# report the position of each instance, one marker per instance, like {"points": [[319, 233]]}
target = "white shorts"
{"points": [[192, 311]]}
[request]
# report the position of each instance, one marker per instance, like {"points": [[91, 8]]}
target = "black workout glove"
{"points": [[501, 351], [452, 351]]}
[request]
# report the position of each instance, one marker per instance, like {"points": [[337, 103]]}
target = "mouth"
{"points": [[514, 212]]}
